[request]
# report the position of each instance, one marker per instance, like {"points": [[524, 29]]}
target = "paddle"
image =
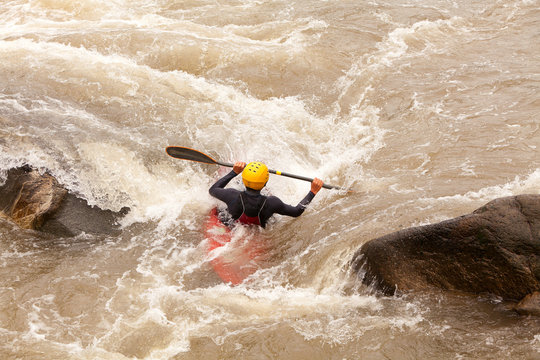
{"points": [[179, 152]]}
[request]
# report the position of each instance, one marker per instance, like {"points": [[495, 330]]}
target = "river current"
{"points": [[428, 109]]}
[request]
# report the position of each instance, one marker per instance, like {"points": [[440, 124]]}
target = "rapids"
{"points": [[429, 109]]}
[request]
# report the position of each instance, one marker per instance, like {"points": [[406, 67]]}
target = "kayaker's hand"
{"points": [[316, 185], [239, 167]]}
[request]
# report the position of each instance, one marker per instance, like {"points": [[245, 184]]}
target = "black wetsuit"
{"points": [[251, 203]]}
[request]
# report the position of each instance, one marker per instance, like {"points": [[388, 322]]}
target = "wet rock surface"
{"points": [[37, 201], [495, 249]]}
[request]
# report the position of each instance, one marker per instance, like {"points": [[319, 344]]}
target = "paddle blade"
{"points": [[184, 153]]}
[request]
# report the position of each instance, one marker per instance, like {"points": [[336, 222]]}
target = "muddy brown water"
{"points": [[429, 109]]}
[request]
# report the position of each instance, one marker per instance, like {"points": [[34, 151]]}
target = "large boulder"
{"points": [[496, 250], [37, 201]]}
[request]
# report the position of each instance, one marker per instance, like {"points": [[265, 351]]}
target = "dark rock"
{"points": [[496, 249], [37, 201], [75, 216]]}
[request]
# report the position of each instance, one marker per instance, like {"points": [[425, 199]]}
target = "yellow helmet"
{"points": [[255, 175]]}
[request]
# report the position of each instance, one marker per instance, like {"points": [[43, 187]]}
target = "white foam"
{"points": [[124, 180], [529, 185], [37, 327]]}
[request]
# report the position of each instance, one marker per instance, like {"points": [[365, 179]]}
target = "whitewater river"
{"points": [[429, 109]]}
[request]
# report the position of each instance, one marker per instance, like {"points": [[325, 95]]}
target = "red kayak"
{"points": [[235, 262]]}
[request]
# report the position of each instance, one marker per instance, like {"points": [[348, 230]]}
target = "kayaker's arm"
{"points": [[284, 209], [218, 189], [281, 208], [221, 183]]}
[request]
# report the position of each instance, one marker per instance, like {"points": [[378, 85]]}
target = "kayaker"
{"points": [[250, 206]]}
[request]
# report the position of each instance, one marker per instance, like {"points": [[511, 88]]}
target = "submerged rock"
{"points": [[530, 305], [37, 201], [495, 249]]}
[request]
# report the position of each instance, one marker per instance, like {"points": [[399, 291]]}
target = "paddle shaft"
{"points": [[281, 173], [326, 186], [184, 153]]}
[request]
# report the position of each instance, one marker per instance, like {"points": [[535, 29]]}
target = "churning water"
{"points": [[428, 108]]}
